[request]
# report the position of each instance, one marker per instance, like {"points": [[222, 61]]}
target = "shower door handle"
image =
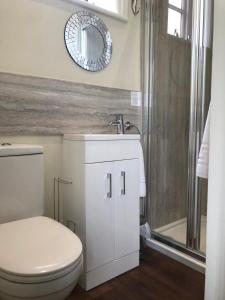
{"points": [[123, 191]]}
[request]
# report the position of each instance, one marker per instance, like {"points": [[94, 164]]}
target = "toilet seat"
{"points": [[32, 277], [37, 248]]}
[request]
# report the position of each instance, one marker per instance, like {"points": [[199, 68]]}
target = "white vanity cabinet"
{"points": [[102, 203]]}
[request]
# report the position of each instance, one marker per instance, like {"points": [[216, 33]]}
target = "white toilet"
{"points": [[39, 257]]}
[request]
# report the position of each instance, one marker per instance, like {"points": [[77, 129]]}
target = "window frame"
{"points": [[184, 12], [122, 15]]}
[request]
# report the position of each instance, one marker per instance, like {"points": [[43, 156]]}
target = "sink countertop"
{"points": [[101, 137]]}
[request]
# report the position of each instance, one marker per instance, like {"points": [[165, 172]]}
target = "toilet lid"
{"points": [[37, 246]]}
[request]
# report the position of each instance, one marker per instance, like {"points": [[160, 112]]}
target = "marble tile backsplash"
{"points": [[32, 105]]}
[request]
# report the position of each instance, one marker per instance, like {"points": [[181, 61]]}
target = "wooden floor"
{"points": [[157, 278]]}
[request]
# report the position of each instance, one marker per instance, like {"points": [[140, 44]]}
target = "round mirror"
{"points": [[88, 41]]}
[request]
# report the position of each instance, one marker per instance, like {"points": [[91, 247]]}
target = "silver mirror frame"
{"points": [[72, 29]]}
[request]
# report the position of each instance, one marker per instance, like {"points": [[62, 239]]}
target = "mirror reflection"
{"points": [[91, 43]]}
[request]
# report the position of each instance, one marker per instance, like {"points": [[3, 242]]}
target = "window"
{"points": [[114, 8], [178, 18], [110, 5]]}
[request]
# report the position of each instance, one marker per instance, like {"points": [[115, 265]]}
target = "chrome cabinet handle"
{"points": [[109, 193], [123, 191]]}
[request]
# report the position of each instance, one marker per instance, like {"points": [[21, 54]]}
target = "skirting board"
{"points": [[106, 272], [177, 255]]}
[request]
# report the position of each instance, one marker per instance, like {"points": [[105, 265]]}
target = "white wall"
{"points": [[215, 262], [32, 43]]}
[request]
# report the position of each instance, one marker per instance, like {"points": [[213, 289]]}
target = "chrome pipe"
{"points": [[56, 208]]}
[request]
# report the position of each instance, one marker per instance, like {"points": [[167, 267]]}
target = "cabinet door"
{"points": [[126, 207], [99, 214]]}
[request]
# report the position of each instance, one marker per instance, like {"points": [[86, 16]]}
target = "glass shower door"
{"points": [[179, 84]]}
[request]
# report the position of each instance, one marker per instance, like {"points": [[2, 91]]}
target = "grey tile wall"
{"points": [[170, 124], [32, 105]]}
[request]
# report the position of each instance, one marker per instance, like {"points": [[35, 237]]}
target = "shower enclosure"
{"points": [[177, 56]]}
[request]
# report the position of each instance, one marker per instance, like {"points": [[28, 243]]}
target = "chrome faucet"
{"points": [[121, 126], [118, 123]]}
